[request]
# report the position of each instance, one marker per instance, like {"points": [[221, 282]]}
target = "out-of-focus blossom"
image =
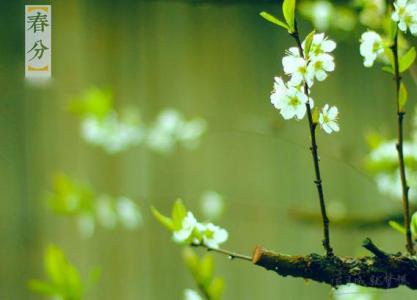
{"points": [[191, 295], [371, 47], [111, 133], [86, 225], [105, 211], [212, 205], [129, 213], [171, 128], [405, 14]]}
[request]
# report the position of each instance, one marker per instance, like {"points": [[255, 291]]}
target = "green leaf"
{"points": [[392, 30], [216, 288], [55, 264], [308, 41], [178, 213], [191, 260], [403, 95], [388, 69], [167, 222], [42, 287], [206, 268], [288, 9], [267, 16], [389, 56], [394, 225], [407, 60], [316, 115]]}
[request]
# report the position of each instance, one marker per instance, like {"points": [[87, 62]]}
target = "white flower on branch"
{"points": [[328, 119], [371, 47], [405, 14], [187, 227], [319, 66], [213, 235], [321, 44], [289, 100], [296, 67]]}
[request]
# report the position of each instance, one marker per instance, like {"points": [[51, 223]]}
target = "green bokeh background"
{"points": [[214, 61]]}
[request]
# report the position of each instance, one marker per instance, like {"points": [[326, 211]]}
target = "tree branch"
{"points": [[384, 271], [314, 152], [231, 255], [399, 146]]}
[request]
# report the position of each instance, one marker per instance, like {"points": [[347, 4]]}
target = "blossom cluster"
{"points": [[291, 98], [373, 46], [192, 231], [405, 14], [103, 126], [72, 198], [187, 230], [382, 161]]}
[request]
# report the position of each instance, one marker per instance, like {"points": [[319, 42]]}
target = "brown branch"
{"points": [[399, 146], [314, 152], [384, 271]]}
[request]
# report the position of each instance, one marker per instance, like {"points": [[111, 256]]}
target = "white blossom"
{"points": [[86, 225], [191, 295], [296, 67], [328, 119], [319, 65], [212, 204], [321, 12], [113, 134], [371, 46], [187, 227], [129, 213], [291, 101], [405, 14], [213, 235], [321, 44], [106, 214]]}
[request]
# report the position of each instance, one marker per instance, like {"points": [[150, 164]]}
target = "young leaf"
{"points": [[308, 42], [288, 9], [216, 287], [388, 69], [394, 225], [407, 59], [267, 16], [167, 222], [392, 30], [402, 99], [206, 268], [390, 56], [42, 287], [178, 213], [316, 115]]}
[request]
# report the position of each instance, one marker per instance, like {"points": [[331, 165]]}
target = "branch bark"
{"points": [[399, 146], [314, 152], [384, 271]]}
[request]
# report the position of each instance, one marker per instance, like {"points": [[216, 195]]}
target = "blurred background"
{"points": [[212, 61]]}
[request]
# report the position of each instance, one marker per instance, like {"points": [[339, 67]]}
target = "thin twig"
{"points": [[229, 254], [399, 146], [314, 152]]}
